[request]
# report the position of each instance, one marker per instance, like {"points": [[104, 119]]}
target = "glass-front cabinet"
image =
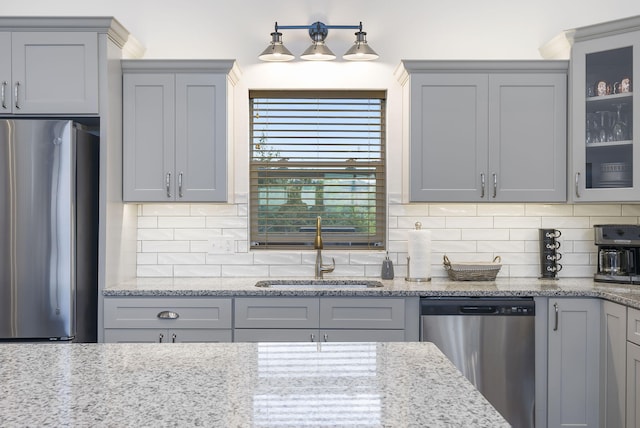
{"points": [[605, 65]]}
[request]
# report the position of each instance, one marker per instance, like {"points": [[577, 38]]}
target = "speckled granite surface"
{"points": [[585, 287], [237, 385]]}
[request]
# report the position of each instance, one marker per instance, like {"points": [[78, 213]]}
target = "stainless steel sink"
{"points": [[328, 283]]}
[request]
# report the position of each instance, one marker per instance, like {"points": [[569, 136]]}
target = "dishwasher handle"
{"points": [[483, 310]]}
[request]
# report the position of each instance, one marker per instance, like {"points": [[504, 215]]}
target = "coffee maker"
{"points": [[618, 253]]}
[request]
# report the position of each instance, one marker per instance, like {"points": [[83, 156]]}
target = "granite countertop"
{"points": [[237, 385], [573, 287]]}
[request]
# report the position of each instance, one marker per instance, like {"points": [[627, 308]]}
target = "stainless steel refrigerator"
{"points": [[48, 230]]}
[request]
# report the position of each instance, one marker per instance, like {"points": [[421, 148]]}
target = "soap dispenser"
{"points": [[387, 268]]}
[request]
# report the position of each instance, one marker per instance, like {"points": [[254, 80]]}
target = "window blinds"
{"points": [[317, 153]]}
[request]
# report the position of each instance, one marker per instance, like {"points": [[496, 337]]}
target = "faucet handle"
{"points": [[329, 268]]}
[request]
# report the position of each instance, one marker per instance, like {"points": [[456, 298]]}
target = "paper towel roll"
{"points": [[419, 246]]}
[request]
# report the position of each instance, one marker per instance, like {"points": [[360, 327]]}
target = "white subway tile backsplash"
{"points": [[517, 222], [206, 210], [174, 239], [166, 209], [196, 270], [277, 258], [245, 271], [548, 210], [155, 234], [485, 234], [156, 271], [501, 209], [181, 222], [453, 210], [181, 259], [590, 210], [165, 246], [469, 222]]}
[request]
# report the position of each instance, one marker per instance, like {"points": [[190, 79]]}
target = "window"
{"points": [[317, 153]]}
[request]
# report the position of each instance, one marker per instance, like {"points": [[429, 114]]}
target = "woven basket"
{"points": [[473, 271]]}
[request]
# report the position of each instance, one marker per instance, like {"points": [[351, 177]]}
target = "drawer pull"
{"points": [[168, 315]]}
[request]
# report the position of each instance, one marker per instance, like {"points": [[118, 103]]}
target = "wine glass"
{"points": [[619, 128]]}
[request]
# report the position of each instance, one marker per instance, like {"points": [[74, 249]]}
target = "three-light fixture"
{"points": [[318, 51]]}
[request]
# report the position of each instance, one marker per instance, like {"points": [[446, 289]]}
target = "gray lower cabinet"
{"points": [[357, 319], [573, 362], [48, 72], [167, 319], [613, 358], [633, 385], [176, 125], [486, 130], [633, 368]]}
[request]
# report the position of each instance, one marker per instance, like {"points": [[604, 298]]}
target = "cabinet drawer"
{"points": [[275, 335], [362, 313], [154, 335], [281, 312], [143, 312], [633, 325], [361, 336]]}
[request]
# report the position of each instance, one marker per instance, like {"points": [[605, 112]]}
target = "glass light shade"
{"points": [[360, 51], [276, 51], [318, 51]]}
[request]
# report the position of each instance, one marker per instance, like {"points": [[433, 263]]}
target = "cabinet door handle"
{"points": [[313, 337], [577, 184], [180, 185], [4, 94], [555, 308], [160, 337], [168, 315], [325, 337], [495, 185], [482, 183], [17, 101], [167, 184], [173, 338]]}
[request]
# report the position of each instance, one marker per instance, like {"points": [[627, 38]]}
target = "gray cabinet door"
{"points": [[613, 363], [372, 313], [633, 385], [55, 72], [573, 362], [6, 93], [633, 326], [148, 137], [527, 137], [201, 137], [277, 312], [448, 147], [591, 159]]}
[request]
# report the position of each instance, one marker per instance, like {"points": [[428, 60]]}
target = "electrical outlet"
{"points": [[221, 245]]}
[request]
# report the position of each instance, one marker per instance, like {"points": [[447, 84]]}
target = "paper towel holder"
{"points": [[408, 277]]}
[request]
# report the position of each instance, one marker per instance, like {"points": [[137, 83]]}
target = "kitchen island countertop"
{"points": [[628, 295], [237, 385]]}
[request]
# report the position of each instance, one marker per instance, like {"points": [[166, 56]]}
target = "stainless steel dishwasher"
{"points": [[491, 341]]}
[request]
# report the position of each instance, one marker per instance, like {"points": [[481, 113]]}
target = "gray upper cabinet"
{"points": [[176, 128], [605, 155], [49, 72], [486, 130]]}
